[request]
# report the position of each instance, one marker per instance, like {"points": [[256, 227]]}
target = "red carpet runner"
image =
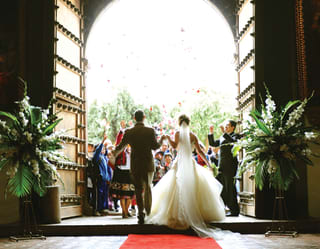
{"points": [[168, 241]]}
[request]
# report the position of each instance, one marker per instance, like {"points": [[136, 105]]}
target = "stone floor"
{"points": [[236, 241], [62, 238]]}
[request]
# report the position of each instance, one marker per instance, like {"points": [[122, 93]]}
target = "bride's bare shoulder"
{"points": [[193, 137]]}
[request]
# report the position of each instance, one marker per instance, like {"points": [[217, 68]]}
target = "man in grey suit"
{"points": [[142, 140], [227, 165]]}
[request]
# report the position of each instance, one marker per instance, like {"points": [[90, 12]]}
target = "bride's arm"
{"points": [[200, 151], [174, 143]]}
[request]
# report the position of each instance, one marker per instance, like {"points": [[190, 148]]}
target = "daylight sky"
{"points": [[160, 50]]}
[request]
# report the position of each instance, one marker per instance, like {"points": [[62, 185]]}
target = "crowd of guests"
{"points": [[114, 186]]}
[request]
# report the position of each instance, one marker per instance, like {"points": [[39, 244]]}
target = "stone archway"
{"points": [[93, 8]]}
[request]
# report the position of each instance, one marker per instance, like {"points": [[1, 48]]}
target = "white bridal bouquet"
{"points": [[28, 148], [273, 142]]}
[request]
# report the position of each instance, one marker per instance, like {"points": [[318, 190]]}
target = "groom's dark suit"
{"points": [[142, 140], [228, 165]]}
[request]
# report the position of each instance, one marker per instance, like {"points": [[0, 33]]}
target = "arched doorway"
{"points": [[161, 57], [154, 52]]}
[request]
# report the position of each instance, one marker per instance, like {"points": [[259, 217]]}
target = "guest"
{"points": [[120, 160], [101, 161], [198, 158], [158, 156], [164, 147], [122, 187], [110, 148], [168, 162]]}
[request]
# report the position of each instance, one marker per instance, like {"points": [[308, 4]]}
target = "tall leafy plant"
{"points": [[274, 140], [29, 148]]}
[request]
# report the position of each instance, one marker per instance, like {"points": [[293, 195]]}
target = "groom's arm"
{"points": [[212, 142], [154, 143]]}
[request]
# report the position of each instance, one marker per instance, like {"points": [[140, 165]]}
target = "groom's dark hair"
{"points": [[233, 123], [138, 115]]}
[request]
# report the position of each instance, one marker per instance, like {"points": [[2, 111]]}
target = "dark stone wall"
{"points": [[37, 29], [275, 49]]}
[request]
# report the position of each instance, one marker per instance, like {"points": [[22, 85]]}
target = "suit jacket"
{"points": [[142, 140], [228, 164]]}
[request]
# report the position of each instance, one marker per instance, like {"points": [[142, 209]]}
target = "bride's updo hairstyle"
{"points": [[184, 118]]}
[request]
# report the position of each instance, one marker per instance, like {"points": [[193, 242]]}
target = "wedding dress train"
{"points": [[188, 195]]}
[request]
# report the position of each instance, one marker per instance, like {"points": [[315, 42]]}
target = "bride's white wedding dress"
{"points": [[188, 195]]}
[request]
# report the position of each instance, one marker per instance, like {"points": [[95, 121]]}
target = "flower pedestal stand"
{"points": [[281, 226], [30, 227]]}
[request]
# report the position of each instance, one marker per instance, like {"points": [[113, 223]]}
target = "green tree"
{"points": [[122, 108], [208, 111], [106, 118], [153, 115], [205, 110], [95, 129]]}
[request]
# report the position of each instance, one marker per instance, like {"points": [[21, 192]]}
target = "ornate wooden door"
{"points": [[246, 84], [69, 92]]}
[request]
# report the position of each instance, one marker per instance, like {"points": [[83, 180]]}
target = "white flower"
{"points": [[272, 166], [49, 166], [260, 133], [271, 106], [310, 135], [25, 121], [296, 114], [13, 170], [4, 126], [14, 132], [38, 152], [306, 152], [35, 167], [28, 136], [44, 116], [45, 154], [25, 102]]}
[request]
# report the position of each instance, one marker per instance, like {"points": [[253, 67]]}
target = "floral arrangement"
{"points": [[273, 142], [28, 149]]}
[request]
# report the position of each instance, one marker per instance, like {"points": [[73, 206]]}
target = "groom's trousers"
{"points": [[229, 192], [142, 183]]}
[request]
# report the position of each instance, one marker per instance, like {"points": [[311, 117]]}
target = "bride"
{"points": [[188, 195]]}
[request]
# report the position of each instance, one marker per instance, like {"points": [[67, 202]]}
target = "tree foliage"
{"points": [[205, 110]]}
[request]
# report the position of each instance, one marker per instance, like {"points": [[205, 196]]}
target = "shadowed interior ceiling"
{"points": [[92, 8]]}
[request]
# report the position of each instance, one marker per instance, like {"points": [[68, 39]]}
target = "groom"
{"points": [[142, 140], [227, 164]]}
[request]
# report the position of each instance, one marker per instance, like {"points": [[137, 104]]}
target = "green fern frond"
{"points": [[3, 163], [50, 128], [21, 184], [260, 174]]}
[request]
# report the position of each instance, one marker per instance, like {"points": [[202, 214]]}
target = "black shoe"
{"points": [[141, 219]]}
